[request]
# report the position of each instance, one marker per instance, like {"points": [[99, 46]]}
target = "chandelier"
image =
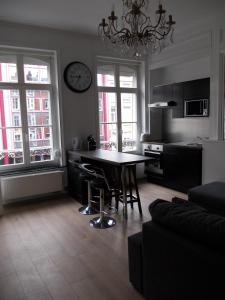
{"points": [[137, 35]]}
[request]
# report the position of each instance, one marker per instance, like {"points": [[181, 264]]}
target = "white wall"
{"points": [[189, 70], [213, 158]]}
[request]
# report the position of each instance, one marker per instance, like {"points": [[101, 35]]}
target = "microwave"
{"points": [[196, 108]]}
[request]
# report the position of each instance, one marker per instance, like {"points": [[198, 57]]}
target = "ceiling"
{"points": [[84, 15]]}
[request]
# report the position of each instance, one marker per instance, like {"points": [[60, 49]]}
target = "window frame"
{"points": [[52, 87], [118, 91]]}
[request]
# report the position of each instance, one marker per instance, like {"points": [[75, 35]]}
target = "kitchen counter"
{"points": [[197, 144], [187, 144], [177, 165]]}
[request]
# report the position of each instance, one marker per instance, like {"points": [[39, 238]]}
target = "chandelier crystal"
{"points": [[137, 35]]}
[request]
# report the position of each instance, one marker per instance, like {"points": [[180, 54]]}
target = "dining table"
{"points": [[114, 158]]}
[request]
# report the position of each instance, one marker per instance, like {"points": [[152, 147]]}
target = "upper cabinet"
{"points": [[178, 110], [179, 92], [163, 93], [196, 89]]}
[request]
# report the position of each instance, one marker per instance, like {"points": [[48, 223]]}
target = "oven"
{"points": [[154, 168]]}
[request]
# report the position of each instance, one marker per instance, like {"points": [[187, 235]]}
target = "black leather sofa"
{"points": [[180, 254]]}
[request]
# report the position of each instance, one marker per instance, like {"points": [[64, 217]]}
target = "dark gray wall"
{"points": [[184, 129]]}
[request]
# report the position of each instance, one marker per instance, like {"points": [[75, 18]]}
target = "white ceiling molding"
{"points": [[187, 50]]}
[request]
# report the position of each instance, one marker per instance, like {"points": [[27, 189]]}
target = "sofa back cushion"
{"points": [[191, 220]]}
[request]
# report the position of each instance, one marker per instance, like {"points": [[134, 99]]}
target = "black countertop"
{"points": [[112, 157], [191, 144]]}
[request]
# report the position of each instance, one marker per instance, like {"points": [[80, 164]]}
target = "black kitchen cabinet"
{"points": [[157, 94], [178, 110], [196, 89], [171, 92], [179, 92], [168, 92], [182, 167], [162, 93]]}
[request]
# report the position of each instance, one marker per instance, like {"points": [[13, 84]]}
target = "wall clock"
{"points": [[77, 77]]}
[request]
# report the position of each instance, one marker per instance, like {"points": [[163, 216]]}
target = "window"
{"points": [[15, 100], [17, 137], [30, 103], [28, 131], [117, 97], [16, 120], [31, 119], [46, 104]]}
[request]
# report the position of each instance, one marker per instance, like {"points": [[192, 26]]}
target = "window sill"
{"points": [[25, 170]]}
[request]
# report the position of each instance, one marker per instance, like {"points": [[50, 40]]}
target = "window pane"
{"points": [[108, 136], [11, 147], [128, 77], [106, 76], [36, 70], [40, 142], [10, 115], [129, 107], [8, 68], [38, 107], [107, 107], [129, 136]]}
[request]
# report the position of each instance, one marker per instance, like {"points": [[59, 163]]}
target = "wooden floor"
{"points": [[48, 251]]}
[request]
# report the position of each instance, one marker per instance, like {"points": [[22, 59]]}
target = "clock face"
{"points": [[77, 77]]}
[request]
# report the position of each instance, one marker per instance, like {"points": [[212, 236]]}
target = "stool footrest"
{"points": [[134, 199], [87, 210], [102, 223]]}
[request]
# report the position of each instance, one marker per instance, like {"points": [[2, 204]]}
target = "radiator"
{"points": [[30, 185]]}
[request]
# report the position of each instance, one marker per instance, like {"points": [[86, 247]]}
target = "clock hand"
{"points": [[78, 78]]}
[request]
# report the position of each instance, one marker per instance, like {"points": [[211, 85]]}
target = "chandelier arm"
{"points": [[153, 29], [123, 30], [104, 31], [159, 36], [151, 26], [157, 24], [142, 25]]}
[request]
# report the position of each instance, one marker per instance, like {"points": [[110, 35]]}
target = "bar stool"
{"points": [[130, 186], [87, 176], [100, 183]]}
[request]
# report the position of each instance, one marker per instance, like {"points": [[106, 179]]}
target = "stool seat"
{"points": [[98, 183], [87, 175], [211, 196]]}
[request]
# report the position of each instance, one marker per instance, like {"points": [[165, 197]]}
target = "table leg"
{"points": [[123, 179]]}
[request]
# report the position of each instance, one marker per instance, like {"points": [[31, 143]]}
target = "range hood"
{"points": [[166, 104]]}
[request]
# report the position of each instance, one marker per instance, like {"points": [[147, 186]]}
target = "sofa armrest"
{"points": [[211, 196], [178, 268]]}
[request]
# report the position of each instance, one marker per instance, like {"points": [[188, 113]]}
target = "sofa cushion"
{"points": [[190, 220], [210, 196], [178, 200]]}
